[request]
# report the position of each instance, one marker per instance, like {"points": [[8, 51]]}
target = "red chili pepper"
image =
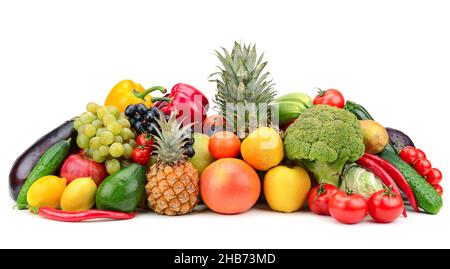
{"points": [[191, 104], [398, 178], [59, 215], [372, 166]]}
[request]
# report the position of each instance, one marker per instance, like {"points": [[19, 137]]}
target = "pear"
{"points": [[202, 157]]}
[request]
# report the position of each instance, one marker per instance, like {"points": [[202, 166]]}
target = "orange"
{"points": [[263, 149]]}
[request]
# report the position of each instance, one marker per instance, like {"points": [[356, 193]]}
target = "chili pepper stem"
{"points": [[156, 99], [152, 89]]}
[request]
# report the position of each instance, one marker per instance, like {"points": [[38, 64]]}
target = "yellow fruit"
{"points": [[263, 149], [79, 195], [46, 191], [286, 189]]}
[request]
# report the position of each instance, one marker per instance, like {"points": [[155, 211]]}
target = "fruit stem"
{"points": [[156, 99], [142, 95]]}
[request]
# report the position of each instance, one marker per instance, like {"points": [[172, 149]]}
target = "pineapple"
{"points": [[172, 182], [241, 84]]}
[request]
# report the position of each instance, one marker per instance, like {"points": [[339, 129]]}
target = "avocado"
{"points": [[122, 190]]}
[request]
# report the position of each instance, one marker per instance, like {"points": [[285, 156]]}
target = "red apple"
{"points": [[77, 166]]}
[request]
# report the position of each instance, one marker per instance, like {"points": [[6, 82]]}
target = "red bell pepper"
{"points": [[190, 103]]}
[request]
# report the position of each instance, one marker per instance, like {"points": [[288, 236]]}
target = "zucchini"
{"points": [[426, 196], [358, 110], [48, 164]]}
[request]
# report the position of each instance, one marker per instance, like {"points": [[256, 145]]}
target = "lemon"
{"points": [[46, 191], [79, 195]]}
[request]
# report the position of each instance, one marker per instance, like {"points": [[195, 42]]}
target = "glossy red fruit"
{"points": [[78, 166], [409, 154], [348, 208], [145, 140], [439, 189], [319, 197], [141, 155], [421, 154], [330, 97], [385, 206], [434, 177], [422, 166]]}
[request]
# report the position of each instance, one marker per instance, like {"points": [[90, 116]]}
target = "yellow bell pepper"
{"points": [[127, 92]]}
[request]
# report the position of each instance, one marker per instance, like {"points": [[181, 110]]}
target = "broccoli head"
{"points": [[324, 139]]}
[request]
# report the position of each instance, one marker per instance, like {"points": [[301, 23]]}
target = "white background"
{"points": [[391, 56]]}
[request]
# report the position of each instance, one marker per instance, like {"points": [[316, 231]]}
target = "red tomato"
{"points": [[319, 196], [409, 154], [141, 155], [385, 206], [439, 189], [348, 208], [434, 177], [422, 166], [421, 154], [145, 140], [224, 145], [330, 97]]}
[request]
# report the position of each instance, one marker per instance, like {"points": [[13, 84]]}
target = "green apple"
{"points": [[202, 158]]}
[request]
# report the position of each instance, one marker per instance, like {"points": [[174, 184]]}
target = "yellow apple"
{"points": [[286, 188]]}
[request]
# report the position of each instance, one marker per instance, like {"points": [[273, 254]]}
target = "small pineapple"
{"points": [[172, 182], [241, 82]]}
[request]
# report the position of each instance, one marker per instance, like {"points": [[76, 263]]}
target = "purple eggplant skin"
{"points": [[28, 159], [399, 139]]}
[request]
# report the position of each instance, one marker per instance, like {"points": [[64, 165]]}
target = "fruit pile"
{"points": [[138, 152]]}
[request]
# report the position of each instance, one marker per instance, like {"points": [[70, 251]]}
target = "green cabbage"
{"points": [[358, 180]]}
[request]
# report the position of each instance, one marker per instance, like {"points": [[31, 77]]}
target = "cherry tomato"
{"points": [[439, 189], [330, 97], [422, 166], [409, 154], [145, 140], [348, 208], [434, 177], [224, 145], [385, 206], [421, 154], [141, 155], [319, 196]]}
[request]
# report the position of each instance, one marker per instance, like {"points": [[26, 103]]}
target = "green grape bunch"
{"points": [[105, 135]]}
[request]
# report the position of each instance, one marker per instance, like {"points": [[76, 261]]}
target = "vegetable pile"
{"points": [[137, 152]]}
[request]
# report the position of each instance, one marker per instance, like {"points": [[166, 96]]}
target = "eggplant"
{"points": [[28, 159], [399, 139]]}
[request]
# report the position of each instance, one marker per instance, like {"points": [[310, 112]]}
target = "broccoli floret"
{"points": [[324, 139]]}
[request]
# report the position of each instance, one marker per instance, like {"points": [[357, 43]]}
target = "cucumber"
{"points": [[358, 110], [50, 161], [426, 196]]}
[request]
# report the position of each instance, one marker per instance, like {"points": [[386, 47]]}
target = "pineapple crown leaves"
{"points": [[240, 78], [170, 138]]}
